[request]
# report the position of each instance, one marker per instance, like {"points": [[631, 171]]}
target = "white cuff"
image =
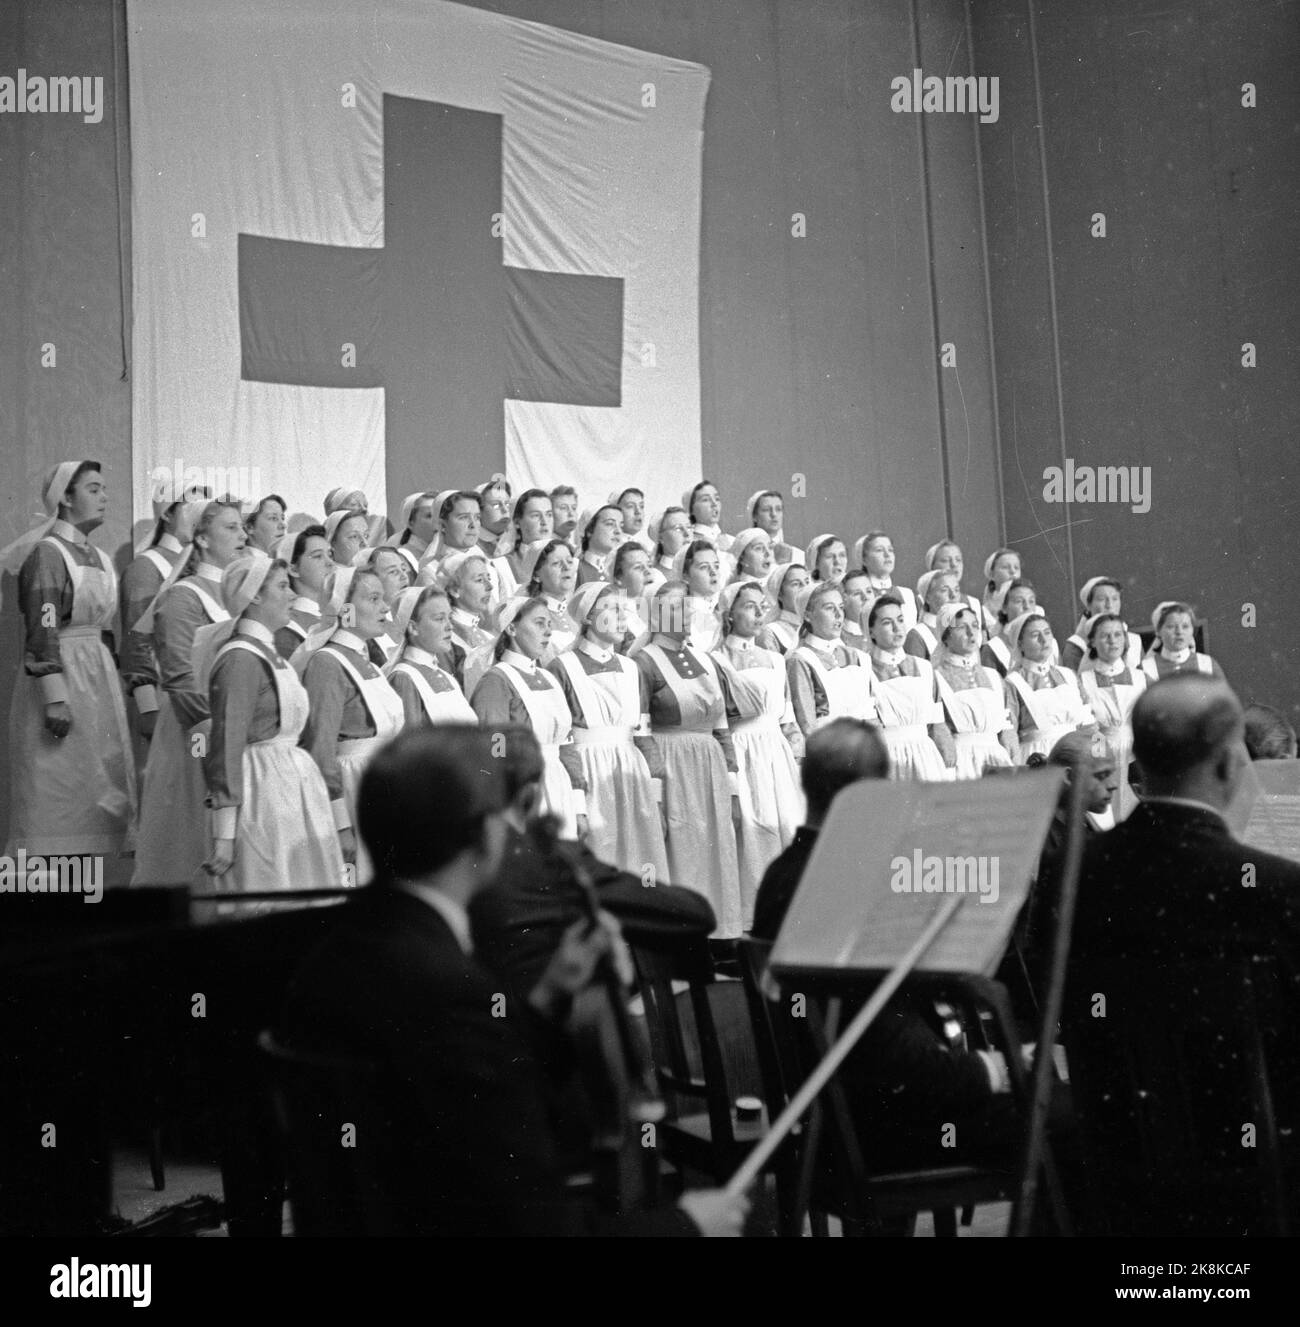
{"points": [[657, 787], [339, 810], [225, 821], [54, 688], [146, 699], [733, 782], [995, 1066], [579, 802]]}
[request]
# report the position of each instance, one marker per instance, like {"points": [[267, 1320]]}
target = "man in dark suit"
{"points": [[1169, 904], [904, 1080], [397, 982]]}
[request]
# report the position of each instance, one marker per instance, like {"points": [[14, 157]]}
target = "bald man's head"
{"points": [[1187, 737]]}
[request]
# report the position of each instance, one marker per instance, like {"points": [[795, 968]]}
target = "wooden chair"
{"points": [[1172, 1085], [867, 1199], [703, 1131], [334, 1188]]}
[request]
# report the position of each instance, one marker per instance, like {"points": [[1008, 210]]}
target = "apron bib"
{"points": [[440, 706], [551, 722], [850, 691]]}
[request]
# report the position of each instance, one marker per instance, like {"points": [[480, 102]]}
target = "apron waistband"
{"points": [[359, 746], [80, 633], [611, 735], [760, 723], [908, 731]]}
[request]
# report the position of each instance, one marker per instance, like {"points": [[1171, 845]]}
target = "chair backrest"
{"points": [[1171, 1082], [670, 1037], [338, 1137]]}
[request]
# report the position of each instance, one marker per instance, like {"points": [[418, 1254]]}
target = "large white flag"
{"points": [[405, 245]]}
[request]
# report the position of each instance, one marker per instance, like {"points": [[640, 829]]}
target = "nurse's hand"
{"points": [[348, 845], [222, 859], [58, 718]]}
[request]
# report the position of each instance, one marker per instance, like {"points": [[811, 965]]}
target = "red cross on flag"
{"points": [[406, 245]]}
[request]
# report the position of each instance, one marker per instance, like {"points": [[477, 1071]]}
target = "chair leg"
{"points": [[945, 1223], [156, 1170]]}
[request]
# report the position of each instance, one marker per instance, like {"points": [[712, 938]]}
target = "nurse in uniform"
{"points": [[631, 505], [671, 531], [347, 532], [622, 767], [907, 701], [751, 551], [307, 555], [762, 733], [971, 694], [271, 827], [602, 532], [946, 555], [518, 689], [553, 577], [73, 775], [428, 692], [266, 525], [1044, 700], [681, 692], [859, 595], [173, 840], [1099, 595], [631, 574], [467, 582], [875, 552], [828, 679], [703, 505], [494, 523], [141, 581], [827, 558], [1174, 648], [1001, 567], [699, 564], [354, 711], [1018, 597], [781, 632], [933, 590], [1111, 686], [767, 513], [419, 529], [530, 527]]}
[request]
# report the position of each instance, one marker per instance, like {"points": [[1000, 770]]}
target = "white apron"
{"points": [[978, 714], [1055, 711], [1002, 651], [1112, 707], [907, 707], [1203, 665], [76, 795], [286, 837], [850, 691], [771, 805], [928, 638], [173, 841], [551, 722], [440, 706], [621, 810], [697, 797], [784, 634], [384, 706]]}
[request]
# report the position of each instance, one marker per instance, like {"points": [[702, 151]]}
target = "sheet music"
{"points": [[889, 855], [1266, 811]]}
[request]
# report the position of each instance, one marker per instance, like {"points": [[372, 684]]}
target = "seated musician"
{"points": [[397, 981], [904, 1081]]}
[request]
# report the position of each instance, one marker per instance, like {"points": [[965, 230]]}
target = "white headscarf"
{"points": [[337, 588], [752, 534], [402, 615], [814, 549], [241, 583], [12, 556], [193, 512]]}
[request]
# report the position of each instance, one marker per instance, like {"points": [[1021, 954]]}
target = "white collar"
{"points": [[853, 629], [349, 641], [519, 661], [962, 660], [821, 644], [1109, 669], [894, 658], [464, 618], [788, 615], [305, 605], [741, 643], [555, 605], [880, 582], [448, 909], [1040, 669], [208, 571], [594, 559], [169, 542], [1181, 657], [414, 654], [601, 653], [257, 630], [69, 532]]}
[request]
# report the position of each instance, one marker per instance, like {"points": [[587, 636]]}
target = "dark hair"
{"points": [[853, 573], [745, 585], [497, 481], [693, 550], [410, 516], [1020, 584], [819, 589], [840, 753], [690, 502], [1269, 734], [1172, 734], [257, 511], [300, 540], [606, 589], [503, 640], [1114, 585], [998, 554], [534, 586], [1092, 631], [621, 555], [667, 512], [452, 767], [427, 593], [1174, 606], [460, 495], [662, 593], [884, 601], [563, 491], [963, 608], [595, 516], [817, 553], [780, 588], [83, 469]]}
